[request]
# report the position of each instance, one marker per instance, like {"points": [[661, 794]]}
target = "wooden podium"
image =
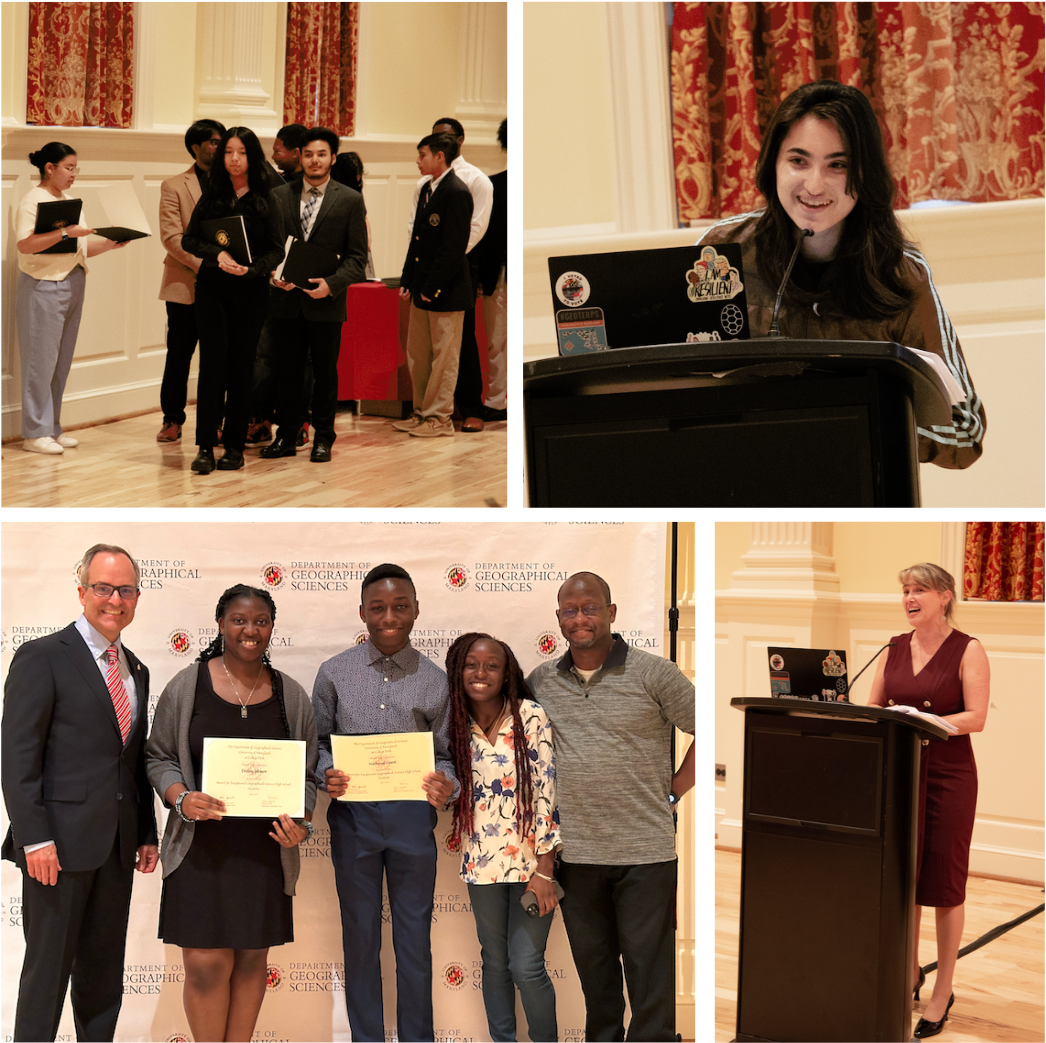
{"points": [[828, 871], [756, 423]]}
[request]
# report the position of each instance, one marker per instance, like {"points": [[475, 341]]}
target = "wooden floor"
{"points": [[998, 988], [372, 466]]}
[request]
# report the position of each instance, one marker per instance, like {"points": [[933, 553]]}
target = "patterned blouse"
{"points": [[495, 853]]}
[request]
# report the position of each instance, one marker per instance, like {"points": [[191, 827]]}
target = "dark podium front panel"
{"points": [[828, 873], [760, 423]]}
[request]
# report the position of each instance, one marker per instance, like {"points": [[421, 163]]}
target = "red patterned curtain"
{"points": [[957, 87], [81, 70], [320, 84], [1004, 561]]}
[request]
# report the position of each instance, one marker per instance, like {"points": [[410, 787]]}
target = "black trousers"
{"points": [[76, 929], [297, 340], [468, 393], [230, 311], [181, 343], [266, 378], [623, 916]]}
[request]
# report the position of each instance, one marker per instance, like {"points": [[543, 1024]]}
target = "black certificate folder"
{"points": [[60, 214], [229, 234]]}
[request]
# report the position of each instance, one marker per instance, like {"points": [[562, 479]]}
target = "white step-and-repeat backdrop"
{"points": [[493, 577]]}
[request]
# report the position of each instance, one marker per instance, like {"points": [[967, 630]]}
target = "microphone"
{"points": [[775, 329], [870, 661]]}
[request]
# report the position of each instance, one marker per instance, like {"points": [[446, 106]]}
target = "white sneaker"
{"points": [[67, 441], [42, 445]]}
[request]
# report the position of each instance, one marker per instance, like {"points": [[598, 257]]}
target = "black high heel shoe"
{"points": [[920, 983], [925, 1028]]}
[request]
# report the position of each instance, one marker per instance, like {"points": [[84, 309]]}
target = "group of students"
{"points": [[266, 346], [228, 882]]}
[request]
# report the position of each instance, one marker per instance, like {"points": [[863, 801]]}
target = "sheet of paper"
{"points": [[257, 778], [384, 767]]}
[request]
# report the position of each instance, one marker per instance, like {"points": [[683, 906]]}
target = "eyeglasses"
{"points": [[104, 590], [588, 610]]}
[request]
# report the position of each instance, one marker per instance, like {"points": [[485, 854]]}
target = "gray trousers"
{"points": [[48, 317]]}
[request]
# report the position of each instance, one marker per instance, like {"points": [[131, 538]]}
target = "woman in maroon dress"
{"points": [[940, 670]]}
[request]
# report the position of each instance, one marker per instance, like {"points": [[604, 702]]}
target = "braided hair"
{"points": [[215, 648], [514, 688]]}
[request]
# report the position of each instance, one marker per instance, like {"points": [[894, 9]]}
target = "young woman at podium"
{"points": [[822, 168], [940, 670]]}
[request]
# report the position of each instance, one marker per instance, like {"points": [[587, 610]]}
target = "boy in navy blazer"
{"points": [[436, 279]]}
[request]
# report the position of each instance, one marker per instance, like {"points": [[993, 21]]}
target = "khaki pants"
{"points": [[433, 344]]}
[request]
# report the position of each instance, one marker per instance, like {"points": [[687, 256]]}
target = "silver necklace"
{"points": [[243, 703]]}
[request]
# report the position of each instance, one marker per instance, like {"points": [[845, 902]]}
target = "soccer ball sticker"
{"points": [[731, 319]]}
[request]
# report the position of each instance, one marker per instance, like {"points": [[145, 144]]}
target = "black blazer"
{"points": [[436, 265], [491, 252], [67, 776], [339, 226]]}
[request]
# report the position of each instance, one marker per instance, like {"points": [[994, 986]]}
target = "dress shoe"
{"points": [[259, 432], [46, 445], [280, 447], [471, 424], [925, 1028], [170, 432], [409, 424], [204, 462], [493, 415], [321, 452], [433, 427], [232, 460], [303, 436]]}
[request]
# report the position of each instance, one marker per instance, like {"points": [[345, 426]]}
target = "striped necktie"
{"points": [[121, 704], [310, 207]]}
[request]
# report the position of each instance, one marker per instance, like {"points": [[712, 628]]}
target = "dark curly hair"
{"points": [[515, 689]]}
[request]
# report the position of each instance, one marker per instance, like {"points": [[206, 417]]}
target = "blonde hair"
{"points": [[933, 577]]}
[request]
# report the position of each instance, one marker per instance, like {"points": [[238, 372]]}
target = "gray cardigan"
{"points": [[168, 760]]}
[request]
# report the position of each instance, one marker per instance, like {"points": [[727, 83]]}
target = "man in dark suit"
{"points": [[81, 808], [436, 278], [309, 319]]}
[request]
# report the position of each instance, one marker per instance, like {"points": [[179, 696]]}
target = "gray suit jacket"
{"points": [[340, 226], [169, 760]]}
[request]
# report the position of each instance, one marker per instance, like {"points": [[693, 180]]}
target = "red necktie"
{"points": [[121, 704]]}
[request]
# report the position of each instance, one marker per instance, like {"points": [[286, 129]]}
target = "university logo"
{"points": [[179, 643], [451, 845], [547, 644], [273, 574], [177, 1037], [273, 978], [457, 577], [361, 637], [454, 977]]}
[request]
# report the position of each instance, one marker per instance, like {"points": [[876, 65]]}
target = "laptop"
{"points": [[646, 297], [808, 673]]}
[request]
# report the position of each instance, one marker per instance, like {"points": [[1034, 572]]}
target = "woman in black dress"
{"points": [[231, 298], [940, 670], [228, 882]]}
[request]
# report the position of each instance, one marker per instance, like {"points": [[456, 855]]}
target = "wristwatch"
{"points": [[65, 235]]}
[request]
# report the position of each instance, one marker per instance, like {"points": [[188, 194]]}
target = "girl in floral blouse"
{"points": [[507, 826]]}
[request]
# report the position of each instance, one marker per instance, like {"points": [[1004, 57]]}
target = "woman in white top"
{"points": [[49, 300], [507, 827]]}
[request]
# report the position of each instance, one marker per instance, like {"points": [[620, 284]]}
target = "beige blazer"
{"points": [[178, 197]]}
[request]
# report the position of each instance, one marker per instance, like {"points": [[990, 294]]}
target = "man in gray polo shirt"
{"points": [[612, 709]]}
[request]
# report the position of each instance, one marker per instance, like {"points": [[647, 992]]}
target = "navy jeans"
{"points": [[513, 949]]}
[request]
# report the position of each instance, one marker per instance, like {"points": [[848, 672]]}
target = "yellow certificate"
{"points": [[257, 778], [384, 767]]}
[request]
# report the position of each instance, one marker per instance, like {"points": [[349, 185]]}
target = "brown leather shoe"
{"points": [[169, 432], [471, 424]]}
